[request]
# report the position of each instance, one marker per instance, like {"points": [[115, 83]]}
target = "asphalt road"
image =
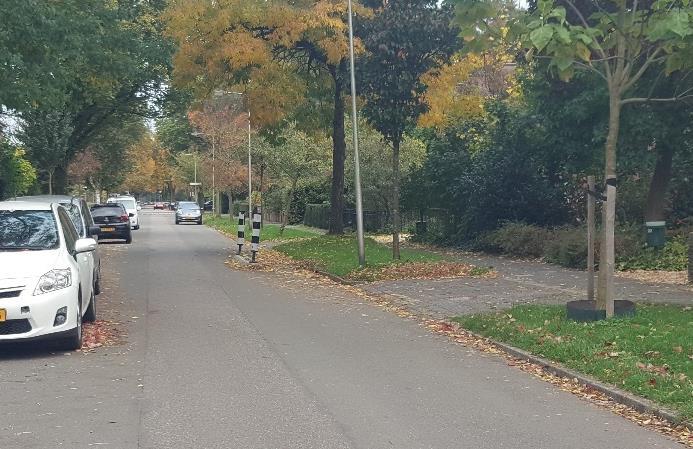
{"points": [[222, 359]]}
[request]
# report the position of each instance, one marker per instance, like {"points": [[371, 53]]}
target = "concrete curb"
{"points": [[336, 278], [622, 397]]}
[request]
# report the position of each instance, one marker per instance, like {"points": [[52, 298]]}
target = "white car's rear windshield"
{"points": [[129, 204], [28, 230]]}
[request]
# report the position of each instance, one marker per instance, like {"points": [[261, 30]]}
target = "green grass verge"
{"points": [[650, 354], [269, 232], [338, 255]]}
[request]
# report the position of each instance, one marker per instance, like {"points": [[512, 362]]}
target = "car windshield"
{"points": [[103, 211], [188, 206], [128, 203], [28, 229]]}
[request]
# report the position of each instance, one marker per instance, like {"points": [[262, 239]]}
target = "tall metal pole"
{"points": [[357, 168], [214, 189], [250, 167]]}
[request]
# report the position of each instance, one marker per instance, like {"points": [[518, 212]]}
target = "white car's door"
{"points": [[85, 262]]}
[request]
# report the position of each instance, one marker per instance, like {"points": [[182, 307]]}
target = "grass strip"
{"points": [[650, 355], [338, 255], [269, 232]]}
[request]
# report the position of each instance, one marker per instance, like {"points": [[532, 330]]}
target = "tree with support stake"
{"points": [[630, 45]]}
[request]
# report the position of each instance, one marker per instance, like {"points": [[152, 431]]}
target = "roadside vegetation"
{"points": [[567, 246], [269, 232], [650, 354], [338, 255]]}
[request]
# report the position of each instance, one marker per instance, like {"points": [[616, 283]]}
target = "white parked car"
{"points": [[46, 280], [79, 213], [131, 206]]}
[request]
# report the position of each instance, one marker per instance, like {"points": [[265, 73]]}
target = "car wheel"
{"points": [[177, 222], [74, 341], [136, 227], [90, 314], [128, 238], [97, 282], [199, 221]]}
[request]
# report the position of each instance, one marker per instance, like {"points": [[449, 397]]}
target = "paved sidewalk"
{"points": [[518, 282]]}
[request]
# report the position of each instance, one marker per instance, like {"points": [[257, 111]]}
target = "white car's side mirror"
{"points": [[139, 207], [85, 245]]}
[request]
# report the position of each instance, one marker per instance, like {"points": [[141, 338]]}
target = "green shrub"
{"points": [[437, 232], [519, 239], [568, 247], [673, 257]]}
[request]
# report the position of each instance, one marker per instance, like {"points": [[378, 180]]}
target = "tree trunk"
{"points": [[654, 209], [606, 257], [59, 184], [396, 225], [50, 181], [287, 207], [338, 158]]}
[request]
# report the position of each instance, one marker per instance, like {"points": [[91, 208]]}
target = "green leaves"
{"points": [[541, 37]]}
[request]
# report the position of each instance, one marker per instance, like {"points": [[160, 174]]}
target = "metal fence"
{"points": [[318, 216]]}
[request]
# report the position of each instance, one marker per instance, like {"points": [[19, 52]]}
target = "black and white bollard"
{"points": [[241, 231], [255, 239]]}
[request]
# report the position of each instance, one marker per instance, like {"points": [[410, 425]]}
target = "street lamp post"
{"points": [[195, 183], [357, 168], [214, 187]]}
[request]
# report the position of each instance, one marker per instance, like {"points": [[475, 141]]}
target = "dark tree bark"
{"points": [[396, 222], [654, 208], [338, 158]]}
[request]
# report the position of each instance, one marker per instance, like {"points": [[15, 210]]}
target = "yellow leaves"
{"points": [[150, 167], [240, 49], [459, 90], [273, 92]]}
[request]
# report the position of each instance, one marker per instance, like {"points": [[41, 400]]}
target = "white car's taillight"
{"points": [[54, 280]]}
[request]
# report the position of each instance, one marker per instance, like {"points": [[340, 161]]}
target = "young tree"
{"points": [[620, 41], [404, 41], [297, 157]]}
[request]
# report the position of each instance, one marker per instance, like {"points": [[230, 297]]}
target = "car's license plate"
{"points": [[3, 315], [108, 229]]}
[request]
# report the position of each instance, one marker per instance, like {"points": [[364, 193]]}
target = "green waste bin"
{"points": [[655, 234]]}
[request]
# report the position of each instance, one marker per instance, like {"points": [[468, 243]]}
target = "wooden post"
{"points": [[591, 203], [690, 258], [609, 247]]}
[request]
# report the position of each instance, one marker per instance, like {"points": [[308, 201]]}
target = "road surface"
{"points": [[221, 359]]}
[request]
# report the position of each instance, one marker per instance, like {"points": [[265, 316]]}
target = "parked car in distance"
{"points": [[130, 206], [188, 211], [113, 221], [158, 205], [208, 205], [46, 285], [173, 205], [81, 218]]}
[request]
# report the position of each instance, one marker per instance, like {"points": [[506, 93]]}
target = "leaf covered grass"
{"points": [[338, 255], [650, 355], [269, 232]]}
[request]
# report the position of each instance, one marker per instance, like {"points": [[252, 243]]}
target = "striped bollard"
{"points": [[241, 231], [255, 239]]}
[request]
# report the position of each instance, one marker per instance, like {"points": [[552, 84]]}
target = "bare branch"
{"points": [[646, 65], [656, 100]]}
